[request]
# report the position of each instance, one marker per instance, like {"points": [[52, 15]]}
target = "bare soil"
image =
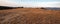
{"points": [[29, 16]]}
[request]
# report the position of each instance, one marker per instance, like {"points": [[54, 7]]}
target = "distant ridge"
{"points": [[53, 8], [6, 7]]}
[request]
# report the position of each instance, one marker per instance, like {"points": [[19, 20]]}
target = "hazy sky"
{"points": [[30, 3]]}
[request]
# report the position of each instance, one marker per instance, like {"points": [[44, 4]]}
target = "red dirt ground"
{"points": [[29, 16]]}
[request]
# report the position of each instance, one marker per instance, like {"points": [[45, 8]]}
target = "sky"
{"points": [[30, 3]]}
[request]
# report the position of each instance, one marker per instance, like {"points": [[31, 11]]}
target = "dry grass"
{"points": [[29, 16]]}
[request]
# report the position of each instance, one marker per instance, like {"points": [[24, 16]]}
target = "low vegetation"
{"points": [[29, 16]]}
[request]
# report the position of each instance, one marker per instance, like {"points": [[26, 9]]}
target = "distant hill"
{"points": [[53, 8], [6, 7]]}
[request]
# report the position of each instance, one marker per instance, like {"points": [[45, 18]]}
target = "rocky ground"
{"points": [[29, 16]]}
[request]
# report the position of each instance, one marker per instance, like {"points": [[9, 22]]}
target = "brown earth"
{"points": [[29, 16]]}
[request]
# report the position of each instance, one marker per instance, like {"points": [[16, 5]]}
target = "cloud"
{"points": [[8, 3], [28, 4], [41, 4], [49, 4]]}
